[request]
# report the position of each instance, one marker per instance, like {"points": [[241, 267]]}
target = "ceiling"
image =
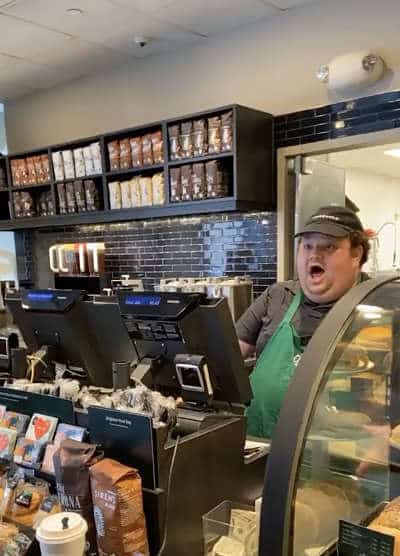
{"points": [[369, 159], [42, 45]]}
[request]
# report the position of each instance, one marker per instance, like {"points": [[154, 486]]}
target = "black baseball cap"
{"points": [[333, 221]]}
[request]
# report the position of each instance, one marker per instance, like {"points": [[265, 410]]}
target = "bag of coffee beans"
{"points": [[199, 137], [147, 148], [114, 154], [187, 183], [175, 184], [114, 188], [30, 163], [72, 463], [118, 509], [214, 135], [37, 160], [15, 173], [174, 144], [136, 196], [46, 167], [80, 196], [199, 181], [125, 157], [70, 194], [186, 140], [217, 180], [17, 205], [62, 198], [226, 131], [158, 149], [158, 189], [91, 195], [23, 170], [136, 151]]}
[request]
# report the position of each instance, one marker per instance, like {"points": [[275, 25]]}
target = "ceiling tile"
{"points": [[146, 6], [208, 17]]}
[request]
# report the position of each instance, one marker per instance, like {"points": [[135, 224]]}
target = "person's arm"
{"points": [[246, 349]]}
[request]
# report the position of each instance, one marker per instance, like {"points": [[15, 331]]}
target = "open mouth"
{"points": [[316, 271]]}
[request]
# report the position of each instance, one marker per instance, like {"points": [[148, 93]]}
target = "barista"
{"points": [[278, 326]]}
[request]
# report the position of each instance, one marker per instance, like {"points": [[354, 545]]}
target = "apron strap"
{"points": [[295, 304]]}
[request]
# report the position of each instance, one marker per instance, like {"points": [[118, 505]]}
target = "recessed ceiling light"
{"points": [[74, 11], [393, 152]]}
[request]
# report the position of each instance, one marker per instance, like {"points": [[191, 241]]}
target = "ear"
{"points": [[357, 253]]}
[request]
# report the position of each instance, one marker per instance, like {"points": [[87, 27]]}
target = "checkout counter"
{"points": [[179, 344]]}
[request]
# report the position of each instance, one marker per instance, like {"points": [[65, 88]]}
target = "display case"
{"points": [[336, 448]]}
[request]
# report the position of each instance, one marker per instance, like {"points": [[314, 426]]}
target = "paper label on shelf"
{"points": [[355, 540]]}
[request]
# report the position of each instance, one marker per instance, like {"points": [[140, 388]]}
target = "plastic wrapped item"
{"points": [[50, 204], [62, 198], [114, 189], [146, 191], [15, 173], [199, 140], [80, 196], [80, 170], [175, 184], [23, 169], [136, 197], [69, 168], [70, 195], [136, 151], [147, 148], [15, 421], [126, 201], [158, 189], [214, 135], [217, 181], [158, 147], [8, 438], [226, 132], [49, 506], [91, 195], [40, 174], [26, 501], [46, 167], [69, 389], [32, 177], [125, 158], [199, 181], [185, 139], [114, 154], [174, 143], [96, 157], [187, 183], [89, 163]]}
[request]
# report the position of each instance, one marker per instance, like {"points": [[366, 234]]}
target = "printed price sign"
{"points": [[355, 540]]}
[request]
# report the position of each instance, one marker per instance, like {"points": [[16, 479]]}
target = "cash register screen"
{"points": [[190, 377], [141, 300]]}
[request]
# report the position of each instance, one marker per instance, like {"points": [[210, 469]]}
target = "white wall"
{"points": [[3, 138], [8, 261], [378, 198], [269, 65]]}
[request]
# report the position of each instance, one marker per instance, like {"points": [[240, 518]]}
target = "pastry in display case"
{"points": [[336, 450]]}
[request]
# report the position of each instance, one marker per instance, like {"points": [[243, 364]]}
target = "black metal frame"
{"points": [[297, 410]]}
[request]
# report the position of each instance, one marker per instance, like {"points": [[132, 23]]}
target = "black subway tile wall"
{"points": [[217, 245], [362, 115]]}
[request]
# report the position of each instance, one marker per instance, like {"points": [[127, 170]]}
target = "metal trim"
{"points": [[297, 410]]}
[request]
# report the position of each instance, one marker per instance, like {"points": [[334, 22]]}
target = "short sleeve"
{"points": [[249, 325]]}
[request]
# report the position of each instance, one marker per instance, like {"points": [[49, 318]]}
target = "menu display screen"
{"points": [[143, 300]]}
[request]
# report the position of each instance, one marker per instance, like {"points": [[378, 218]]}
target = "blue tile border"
{"points": [[341, 119]]}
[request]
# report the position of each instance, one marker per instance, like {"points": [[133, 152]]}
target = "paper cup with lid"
{"points": [[62, 534]]}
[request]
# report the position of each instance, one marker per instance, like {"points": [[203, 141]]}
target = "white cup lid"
{"points": [[62, 526]]}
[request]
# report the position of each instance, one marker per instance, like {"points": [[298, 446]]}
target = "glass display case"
{"points": [[336, 449]]}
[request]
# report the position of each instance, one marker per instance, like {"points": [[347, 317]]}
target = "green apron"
{"points": [[272, 374]]}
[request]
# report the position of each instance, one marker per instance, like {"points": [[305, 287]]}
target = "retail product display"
{"points": [[28, 452], [77, 163], [15, 421], [41, 428], [72, 462], [134, 152], [8, 438], [25, 205], [30, 171], [139, 191], [199, 181], [200, 137], [78, 196], [118, 509], [12, 541]]}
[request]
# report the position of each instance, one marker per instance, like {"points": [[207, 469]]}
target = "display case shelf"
{"points": [[251, 173]]}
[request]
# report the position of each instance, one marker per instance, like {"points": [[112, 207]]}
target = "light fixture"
{"points": [[74, 11], [392, 152], [354, 70]]}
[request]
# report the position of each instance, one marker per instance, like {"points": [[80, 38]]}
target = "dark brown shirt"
{"points": [[257, 325]]}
